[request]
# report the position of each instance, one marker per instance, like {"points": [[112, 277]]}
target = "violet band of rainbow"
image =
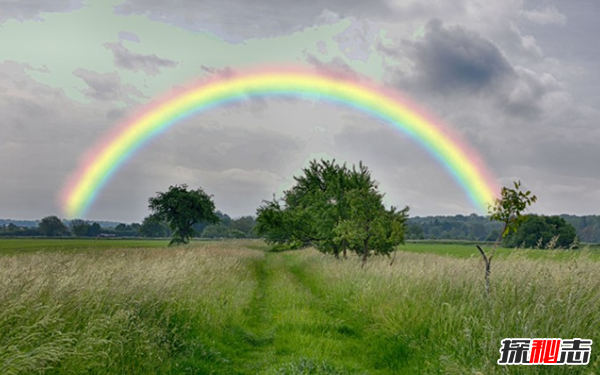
{"points": [[453, 154]]}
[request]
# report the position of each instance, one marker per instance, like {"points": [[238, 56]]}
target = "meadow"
{"points": [[233, 307]]}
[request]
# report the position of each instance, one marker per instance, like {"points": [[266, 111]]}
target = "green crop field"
{"points": [[110, 307], [21, 245]]}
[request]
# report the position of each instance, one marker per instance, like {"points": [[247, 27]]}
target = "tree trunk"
{"points": [[394, 258], [365, 252], [488, 269]]}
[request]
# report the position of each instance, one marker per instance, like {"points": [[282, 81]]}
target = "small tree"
{"points": [[507, 209], [181, 209]]}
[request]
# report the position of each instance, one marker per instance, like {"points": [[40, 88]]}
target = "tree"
{"points": [[414, 232], [370, 226], [333, 208], [153, 228], [79, 227], [543, 232], [94, 230], [52, 226], [181, 209], [244, 224], [508, 209]]}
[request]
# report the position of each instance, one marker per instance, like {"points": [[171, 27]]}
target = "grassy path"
{"points": [[292, 327]]}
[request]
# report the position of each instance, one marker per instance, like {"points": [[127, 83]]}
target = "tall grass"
{"points": [[118, 311], [430, 314], [221, 308]]}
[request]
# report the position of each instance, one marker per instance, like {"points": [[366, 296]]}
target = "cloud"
{"points": [[452, 58], [149, 64], [451, 67], [28, 9], [336, 67], [43, 134], [548, 15], [107, 87], [236, 20]]}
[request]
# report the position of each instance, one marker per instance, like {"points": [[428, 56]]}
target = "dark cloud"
{"points": [[107, 86], [452, 67], [27, 9], [451, 58], [149, 64], [236, 20]]}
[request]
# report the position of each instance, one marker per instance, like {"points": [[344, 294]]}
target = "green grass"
{"points": [[233, 308]]}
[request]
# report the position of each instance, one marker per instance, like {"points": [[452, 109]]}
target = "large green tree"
{"points": [[181, 209], [333, 208]]}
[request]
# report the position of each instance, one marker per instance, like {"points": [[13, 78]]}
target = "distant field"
{"points": [[464, 250], [232, 308], [19, 245], [457, 249]]}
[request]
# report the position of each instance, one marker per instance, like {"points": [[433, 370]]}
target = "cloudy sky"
{"points": [[518, 79]]}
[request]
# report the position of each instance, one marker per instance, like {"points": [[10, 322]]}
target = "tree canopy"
{"points": [[52, 226], [181, 209], [333, 208], [543, 232]]}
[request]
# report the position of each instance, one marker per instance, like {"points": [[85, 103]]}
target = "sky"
{"points": [[516, 79]]}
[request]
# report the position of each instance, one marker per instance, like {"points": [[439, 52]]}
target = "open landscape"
{"points": [[234, 307], [324, 187]]}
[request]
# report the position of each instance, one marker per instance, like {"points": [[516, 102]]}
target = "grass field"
{"points": [[233, 308]]}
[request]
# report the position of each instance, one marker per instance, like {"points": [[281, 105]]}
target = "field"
{"points": [[119, 307]]}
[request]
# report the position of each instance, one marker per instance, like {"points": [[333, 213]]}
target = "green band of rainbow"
{"points": [[106, 157]]}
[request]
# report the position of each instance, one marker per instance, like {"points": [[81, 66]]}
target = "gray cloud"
{"points": [[545, 16], [452, 66], [107, 86], [44, 133], [337, 67], [149, 64], [27, 9], [452, 58]]}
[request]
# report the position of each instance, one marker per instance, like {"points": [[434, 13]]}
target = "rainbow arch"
{"points": [[107, 156]]}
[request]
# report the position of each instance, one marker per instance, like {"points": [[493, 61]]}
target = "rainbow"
{"points": [[119, 145]]}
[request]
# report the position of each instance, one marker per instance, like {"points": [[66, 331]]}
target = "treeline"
{"points": [[52, 226], [459, 227], [478, 228]]}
